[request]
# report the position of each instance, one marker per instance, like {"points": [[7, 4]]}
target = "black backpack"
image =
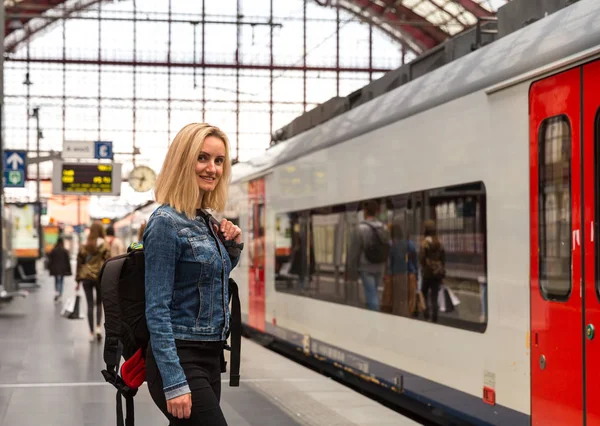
{"points": [[122, 284], [378, 247]]}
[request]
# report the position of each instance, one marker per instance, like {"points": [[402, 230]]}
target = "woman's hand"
{"points": [[181, 406], [230, 231]]}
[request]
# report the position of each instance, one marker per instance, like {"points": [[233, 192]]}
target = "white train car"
{"points": [[127, 228], [498, 147]]}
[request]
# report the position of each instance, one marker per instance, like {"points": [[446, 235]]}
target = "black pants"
{"points": [[431, 289], [88, 288], [201, 364]]}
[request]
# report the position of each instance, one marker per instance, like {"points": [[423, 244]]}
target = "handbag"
{"points": [[447, 300], [71, 308]]}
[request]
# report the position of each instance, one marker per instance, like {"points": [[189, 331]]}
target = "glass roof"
{"points": [[451, 16], [423, 24]]}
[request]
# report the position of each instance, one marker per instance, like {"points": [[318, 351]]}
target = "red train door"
{"points": [[256, 239], [591, 170], [557, 380]]}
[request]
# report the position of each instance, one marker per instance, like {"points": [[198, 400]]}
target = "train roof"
{"points": [[568, 32]]}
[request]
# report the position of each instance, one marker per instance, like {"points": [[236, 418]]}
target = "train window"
{"points": [[293, 253], [555, 208], [321, 254]]}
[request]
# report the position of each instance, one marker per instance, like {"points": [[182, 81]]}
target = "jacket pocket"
{"points": [[203, 249]]}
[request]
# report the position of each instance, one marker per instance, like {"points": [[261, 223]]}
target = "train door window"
{"points": [[259, 233], [555, 208], [251, 235], [261, 220]]}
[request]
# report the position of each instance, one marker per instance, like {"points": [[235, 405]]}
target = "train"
{"points": [[500, 149], [127, 228]]}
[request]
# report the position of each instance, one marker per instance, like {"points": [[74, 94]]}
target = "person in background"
{"points": [[90, 259], [369, 233], [432, 259], [113, 244], [59, 265]]}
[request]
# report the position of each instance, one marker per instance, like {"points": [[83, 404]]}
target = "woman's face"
{"points": [[209, 167]]}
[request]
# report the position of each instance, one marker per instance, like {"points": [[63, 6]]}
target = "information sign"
{"points": [[86, 179], [25, 230], [15, 168]]}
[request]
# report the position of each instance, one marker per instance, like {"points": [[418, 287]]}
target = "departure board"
{"points": [[86, 179]]}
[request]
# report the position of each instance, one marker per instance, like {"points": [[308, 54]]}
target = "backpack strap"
{"points": [[129, 406], [236, 333], [236, 321], [375, 230], [113, 347]]}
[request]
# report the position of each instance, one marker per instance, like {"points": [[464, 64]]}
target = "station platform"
{"points": [[50, 375]]}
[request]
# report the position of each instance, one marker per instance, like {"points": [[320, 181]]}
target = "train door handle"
{"points": [[543, 362], [590, 331]]}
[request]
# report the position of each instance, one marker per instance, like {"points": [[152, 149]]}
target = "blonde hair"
{"points": [[176, 184]]}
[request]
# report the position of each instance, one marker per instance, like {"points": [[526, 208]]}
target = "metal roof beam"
{"points": [[475, 8], [38, 24], [417, 34], [426, 26], [455, 17], [392, 31]]}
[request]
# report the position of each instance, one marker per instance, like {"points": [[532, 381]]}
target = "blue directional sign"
{"points": [[15, 168], [103, 150]]}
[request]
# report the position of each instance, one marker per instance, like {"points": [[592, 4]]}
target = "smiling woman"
{"points": [[188, 258]]}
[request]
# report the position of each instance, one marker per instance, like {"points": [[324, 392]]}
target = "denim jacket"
{"points": [[186, 268]]}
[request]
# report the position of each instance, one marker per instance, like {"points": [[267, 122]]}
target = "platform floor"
{"points": [[50, 375]]}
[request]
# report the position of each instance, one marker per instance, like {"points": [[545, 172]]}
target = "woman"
{"points": [[59, 265], [432, 259], [188, 259], [90, 259]]}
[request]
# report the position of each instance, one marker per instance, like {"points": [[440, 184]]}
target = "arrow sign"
{"points": [[14, 161], [15, 168]]}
